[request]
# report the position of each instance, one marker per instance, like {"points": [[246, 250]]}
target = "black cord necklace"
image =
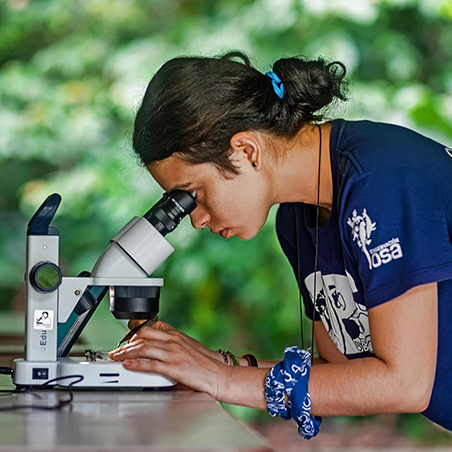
{"points": [[316, 254]]}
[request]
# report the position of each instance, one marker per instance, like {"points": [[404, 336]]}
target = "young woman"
{"points": [[365, 219]]}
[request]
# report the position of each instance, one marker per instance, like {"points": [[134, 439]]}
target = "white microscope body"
{"points": [[123, 268]]}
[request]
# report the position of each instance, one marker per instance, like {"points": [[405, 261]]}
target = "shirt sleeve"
{"points": [[395, 232]]}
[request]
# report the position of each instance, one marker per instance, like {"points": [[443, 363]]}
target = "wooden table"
{"points": [[175, 420], [114, 420]]}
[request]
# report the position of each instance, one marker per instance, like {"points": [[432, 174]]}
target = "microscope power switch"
{"points": [[40, 373]]}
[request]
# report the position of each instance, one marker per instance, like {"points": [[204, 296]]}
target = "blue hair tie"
{"points": [[278, 85]]}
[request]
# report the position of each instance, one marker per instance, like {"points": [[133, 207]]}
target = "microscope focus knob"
{"points": [[45, 277]]}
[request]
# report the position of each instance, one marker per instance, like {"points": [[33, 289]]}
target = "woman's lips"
{"points": [[224, 233]]}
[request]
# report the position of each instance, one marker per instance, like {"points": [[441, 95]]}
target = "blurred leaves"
{"points": [[72, 73]]}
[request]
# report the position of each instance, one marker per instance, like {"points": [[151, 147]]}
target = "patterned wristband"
{"points": [[274, 392], [290, 378], [297, 364]]}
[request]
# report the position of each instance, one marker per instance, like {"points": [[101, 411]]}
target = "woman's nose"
{"points": [[199, 217]]}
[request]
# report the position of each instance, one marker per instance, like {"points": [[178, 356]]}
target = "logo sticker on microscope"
{"points": [[43, 320]]}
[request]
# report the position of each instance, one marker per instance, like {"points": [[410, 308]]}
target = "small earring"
{"points": [[254, 164]]}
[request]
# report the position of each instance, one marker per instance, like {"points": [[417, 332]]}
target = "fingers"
{"points": [[158, 324], [164, 332], [140, 356], [149, 332], [139, 349], [154, 332], [134, 332], [171, 356], [144, 366], [166, 357], [149, 345], [135, 322]]}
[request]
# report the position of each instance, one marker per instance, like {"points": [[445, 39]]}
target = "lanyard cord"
{"points": [[316, 255]]}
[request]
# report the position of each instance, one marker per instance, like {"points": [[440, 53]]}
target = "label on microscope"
{"points": [[43, 319]]}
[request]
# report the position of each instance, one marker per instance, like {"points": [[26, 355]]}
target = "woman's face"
{"points": [[235, 206]]}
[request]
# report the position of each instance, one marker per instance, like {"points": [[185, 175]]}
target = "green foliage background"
{"points": [[72, 73]]}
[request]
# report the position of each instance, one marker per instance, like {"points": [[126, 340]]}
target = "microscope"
{"points": [[58, 307]]}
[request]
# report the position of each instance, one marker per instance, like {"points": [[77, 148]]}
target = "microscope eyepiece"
{"points": [[167, 213]]}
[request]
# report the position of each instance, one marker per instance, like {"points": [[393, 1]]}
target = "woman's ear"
{"points": [[246, 149]]}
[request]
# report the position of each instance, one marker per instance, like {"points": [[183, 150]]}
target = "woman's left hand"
{"points": [[163, 352]]}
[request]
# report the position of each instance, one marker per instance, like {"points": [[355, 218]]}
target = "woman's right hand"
{"points": [[166, 327], [162, 349]]}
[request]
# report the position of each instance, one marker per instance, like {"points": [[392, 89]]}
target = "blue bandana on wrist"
{"points": [[278, 85], [291, 377]]}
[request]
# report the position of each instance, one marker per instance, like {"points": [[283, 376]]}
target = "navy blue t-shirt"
{"points": [[390, 230]]}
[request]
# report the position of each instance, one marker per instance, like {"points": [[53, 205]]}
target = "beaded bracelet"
{"points": [[233, 358], [252, 361], [225, 356]]}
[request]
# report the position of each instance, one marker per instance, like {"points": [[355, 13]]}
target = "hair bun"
{"points": [[311, 85]]}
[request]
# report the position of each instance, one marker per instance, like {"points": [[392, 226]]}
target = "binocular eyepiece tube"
{"points": [[167, 213], [164, 216]]}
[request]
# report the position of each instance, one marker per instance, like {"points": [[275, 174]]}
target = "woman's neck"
{"points": [[295, 173]]}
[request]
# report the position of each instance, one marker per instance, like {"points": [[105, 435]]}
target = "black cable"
{"points": [[316, 257], [300, 298], [6, 370], [32, 390]]}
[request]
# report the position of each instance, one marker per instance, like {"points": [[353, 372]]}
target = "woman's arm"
{"points": [[399, 379], [327, 350]]}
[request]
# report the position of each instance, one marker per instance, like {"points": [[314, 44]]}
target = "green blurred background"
{"points": [[72, 73]]}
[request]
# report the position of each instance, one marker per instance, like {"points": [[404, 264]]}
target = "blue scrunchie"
{"points": [[278, 85], [291, 377]]}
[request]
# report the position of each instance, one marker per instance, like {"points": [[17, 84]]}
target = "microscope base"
{"points": [[31, 373], [109, 374], [96, 374]]}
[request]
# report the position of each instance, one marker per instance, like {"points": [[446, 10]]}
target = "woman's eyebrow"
{"points": [[183, 186]]}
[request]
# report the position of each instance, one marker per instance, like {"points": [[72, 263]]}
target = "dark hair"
{"points": [[194, 105]]}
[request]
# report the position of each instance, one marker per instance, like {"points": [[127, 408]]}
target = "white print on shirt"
{"points": [[386, 252], [449, 151], [362, 228], [345, 320]]}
